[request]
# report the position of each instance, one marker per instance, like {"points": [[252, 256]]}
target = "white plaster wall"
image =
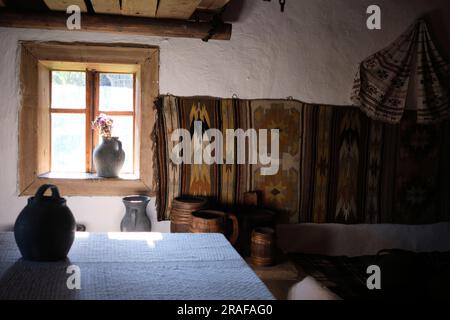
{"points": [[310, 52]]}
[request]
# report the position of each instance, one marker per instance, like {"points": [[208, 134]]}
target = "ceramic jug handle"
{"points": [[234, 236], [40, 193]]}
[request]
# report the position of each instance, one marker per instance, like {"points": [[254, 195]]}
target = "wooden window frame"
{"points": [[37, 58]]}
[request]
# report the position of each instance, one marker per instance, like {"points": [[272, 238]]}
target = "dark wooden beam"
{"points": [[89, 6], [53, 20], [35, 5]]}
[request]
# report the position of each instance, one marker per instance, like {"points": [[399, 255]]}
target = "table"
{"points": [[138, 266]]}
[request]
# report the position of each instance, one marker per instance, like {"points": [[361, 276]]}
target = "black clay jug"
{"points": [[45, 229]]}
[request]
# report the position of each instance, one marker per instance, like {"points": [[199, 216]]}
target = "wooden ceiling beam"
{"points": [[61, 5], [106, 6], [140, 8], [54, 20], [177, 9], [213, 5]]}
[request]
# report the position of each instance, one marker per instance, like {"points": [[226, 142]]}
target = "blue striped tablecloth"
{"points": [[150, 266]]}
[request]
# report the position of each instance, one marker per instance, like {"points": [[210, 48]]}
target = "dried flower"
{"points": [[103, 124]]}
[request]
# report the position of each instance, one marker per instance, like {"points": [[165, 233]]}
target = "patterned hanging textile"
{"points": [[382, 83], [336, 164]]}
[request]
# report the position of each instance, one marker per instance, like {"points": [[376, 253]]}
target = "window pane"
{"points": [[68, 142], [68, 90], [116, 92], [123, 129]]}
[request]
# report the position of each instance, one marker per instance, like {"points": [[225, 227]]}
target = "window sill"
{"points": [[85, 176], [85, 184]]}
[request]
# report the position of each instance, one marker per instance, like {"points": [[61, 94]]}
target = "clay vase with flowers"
{"points": [[108, 155]]}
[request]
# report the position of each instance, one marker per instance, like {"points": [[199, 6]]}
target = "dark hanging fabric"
{"points": [[383, 80]]}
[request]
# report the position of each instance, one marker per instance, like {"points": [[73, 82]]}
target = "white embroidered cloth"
{"points": [[382, 83]]}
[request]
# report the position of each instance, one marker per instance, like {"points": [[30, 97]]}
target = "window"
{"points": [[77, 98], [68, 117], [63, 88]]}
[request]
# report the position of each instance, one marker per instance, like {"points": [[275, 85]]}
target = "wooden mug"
{"points": [[210, 221]]}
